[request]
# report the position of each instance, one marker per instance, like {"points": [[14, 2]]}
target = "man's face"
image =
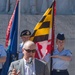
{"points": [[29, 51], [25, 38]]}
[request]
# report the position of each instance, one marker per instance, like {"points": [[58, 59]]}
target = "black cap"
{"points": [[25, 33], [60, 36]]}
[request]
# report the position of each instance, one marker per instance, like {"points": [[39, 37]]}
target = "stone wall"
{"points": [[38, 6]]}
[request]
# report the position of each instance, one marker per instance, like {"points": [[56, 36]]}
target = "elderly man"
{"points": [[28, 65]]}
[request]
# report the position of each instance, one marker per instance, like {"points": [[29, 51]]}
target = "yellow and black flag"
{"points": [[43, 34]]}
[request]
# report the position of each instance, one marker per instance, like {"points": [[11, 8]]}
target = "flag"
{"points": [[43, 35], [9, 28], [12, 34]]}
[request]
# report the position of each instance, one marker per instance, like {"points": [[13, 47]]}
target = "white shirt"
{"points": [[29, 68]]}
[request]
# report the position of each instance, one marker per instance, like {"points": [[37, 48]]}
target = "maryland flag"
{"points": [[43, 35]]}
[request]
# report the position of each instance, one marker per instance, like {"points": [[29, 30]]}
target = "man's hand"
{"points": [[14, 72]]}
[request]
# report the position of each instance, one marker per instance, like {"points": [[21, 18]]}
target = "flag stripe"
{"points": [[39, 32], [40, 38], [45, 25], [42, 25]]}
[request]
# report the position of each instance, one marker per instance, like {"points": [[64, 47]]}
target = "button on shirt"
{"points": [[59, 63], [29, 68], [2, 53]]}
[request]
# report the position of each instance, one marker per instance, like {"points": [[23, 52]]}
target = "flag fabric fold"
{"points": [[43, 35], [11, 40]]}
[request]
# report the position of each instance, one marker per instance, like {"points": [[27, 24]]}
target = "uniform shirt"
{"points": [[29, 68], [59, 63], [2, 53], [20, 54]]}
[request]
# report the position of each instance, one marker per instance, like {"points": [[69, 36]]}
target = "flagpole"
{"points": [[18, 27], [53, 33]]}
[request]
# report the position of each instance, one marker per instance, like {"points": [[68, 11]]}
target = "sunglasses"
{"points": [[29, 51]]}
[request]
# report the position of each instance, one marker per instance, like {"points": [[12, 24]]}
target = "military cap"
{"points": [[25, 33], [60, 36]]}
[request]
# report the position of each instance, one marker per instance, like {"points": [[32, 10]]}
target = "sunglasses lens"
{"points": [[28, 51], [33, 51]]}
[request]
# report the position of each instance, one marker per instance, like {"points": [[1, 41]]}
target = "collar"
{"points": [[25, 62]]}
